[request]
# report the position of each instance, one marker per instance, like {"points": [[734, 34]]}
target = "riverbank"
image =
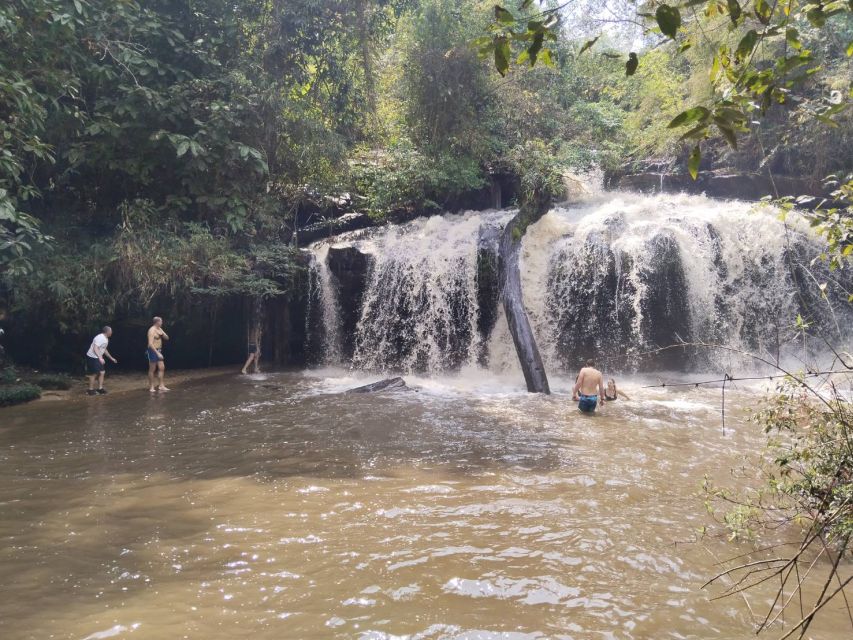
{"points": [[123, 382]]}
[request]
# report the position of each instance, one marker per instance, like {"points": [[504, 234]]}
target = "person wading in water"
{"points": [[154, 354], [589, 388], [612, 393]]}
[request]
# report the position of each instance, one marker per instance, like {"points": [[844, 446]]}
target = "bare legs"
{"points": [[160, 368], [100, 377], [253, 357]]}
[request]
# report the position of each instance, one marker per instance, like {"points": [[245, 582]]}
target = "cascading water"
{"points": [[323, 296], [615, 277]]}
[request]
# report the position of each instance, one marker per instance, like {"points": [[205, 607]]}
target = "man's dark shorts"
{"points": [[93, 365], [152, 356], [587, 404]]}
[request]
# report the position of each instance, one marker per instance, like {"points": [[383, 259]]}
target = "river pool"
{"points": [[276, 506]]}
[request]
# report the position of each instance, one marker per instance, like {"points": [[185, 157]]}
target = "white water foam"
{"points": [[615, 276]]}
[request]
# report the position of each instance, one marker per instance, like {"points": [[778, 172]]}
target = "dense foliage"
{"points": [[752, 56], [18, 393], [160, 154]]}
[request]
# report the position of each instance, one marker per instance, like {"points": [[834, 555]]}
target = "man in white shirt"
{"points": [[95, 361]]}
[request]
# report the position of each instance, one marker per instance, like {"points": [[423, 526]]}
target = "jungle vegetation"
{"points": [[162, 153]]}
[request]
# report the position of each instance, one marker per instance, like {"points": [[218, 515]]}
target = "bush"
{"points": [[17, 393], [51, 381], [8, 375], [403, 179]]}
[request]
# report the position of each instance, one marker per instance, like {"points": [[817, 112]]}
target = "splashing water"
{"points": [[614, 277], [324, 293]]}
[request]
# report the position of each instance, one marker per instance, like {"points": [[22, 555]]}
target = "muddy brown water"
{"points": [[276, 506]]}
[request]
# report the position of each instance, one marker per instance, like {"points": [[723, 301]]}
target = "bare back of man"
{"points": [[589, 388]]}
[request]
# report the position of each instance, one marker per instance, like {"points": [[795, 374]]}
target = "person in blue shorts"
{"points": [[589, 388], [154, 355]]}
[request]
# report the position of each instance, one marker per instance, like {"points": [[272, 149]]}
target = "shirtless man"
{"points": [[154, 353], [589, 388]]}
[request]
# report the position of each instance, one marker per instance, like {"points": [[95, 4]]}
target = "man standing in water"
{"points": [[95, 361], [589, 388], [154, 353]]}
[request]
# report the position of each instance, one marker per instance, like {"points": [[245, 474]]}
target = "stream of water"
{"points": [[615, 277], [277, 506]]}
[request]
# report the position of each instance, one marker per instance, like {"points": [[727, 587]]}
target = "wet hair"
{"points": [[106, 329], [590, 362], [156, 318]]}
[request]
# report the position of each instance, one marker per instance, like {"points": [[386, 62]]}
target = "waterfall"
{"points": [[420, 309], [615, 277], [324, 329]]}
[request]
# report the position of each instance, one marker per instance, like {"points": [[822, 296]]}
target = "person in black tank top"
{"points": [[612, 393]]}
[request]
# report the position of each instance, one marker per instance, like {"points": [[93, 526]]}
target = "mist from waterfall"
{"points": [[615, 277]]}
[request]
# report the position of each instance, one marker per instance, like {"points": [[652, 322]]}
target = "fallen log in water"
{"points": [[513, 301], [381, 385]]}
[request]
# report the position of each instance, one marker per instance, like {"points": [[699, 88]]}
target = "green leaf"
{"points": [[589, 43], [734, 10], [503, 16], [183, 147], [816, 16], [763, 11], [746, 45], [526, 4], [632, 64], [792, 37], [502, 55], [668, 19], [691, 115], [696, 133], [727, 131], [535, 47], [850, 49], [546, 57], [693, 162], [825, 120]]}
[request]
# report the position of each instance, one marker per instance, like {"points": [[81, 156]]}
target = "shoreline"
{"points": [[125, 382]]}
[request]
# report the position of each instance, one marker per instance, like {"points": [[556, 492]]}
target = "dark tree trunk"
{"points": [[516, 315]]}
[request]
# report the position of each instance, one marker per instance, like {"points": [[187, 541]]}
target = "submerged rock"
{"points": [[381, 385]]}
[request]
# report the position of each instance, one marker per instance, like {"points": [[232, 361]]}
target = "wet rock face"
{"points": [[584, 299], [593, 297], [665, 310], [319, 230], [488, 285], [741, 186], [349, 268]]}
